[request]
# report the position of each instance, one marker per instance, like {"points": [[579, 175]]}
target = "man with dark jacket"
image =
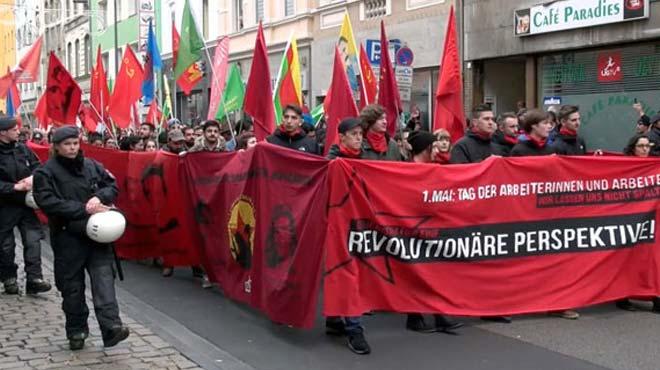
{"points": [[476, 146], [537, 126], [70, 188], [568, 142], [290, 133], [654, 135], [17, 163], [506, 135]]}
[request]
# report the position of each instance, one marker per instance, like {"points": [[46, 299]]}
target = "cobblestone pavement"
{"points": [[32, 336]]}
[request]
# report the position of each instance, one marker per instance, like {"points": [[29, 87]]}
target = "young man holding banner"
{"points": [[350, 146]]}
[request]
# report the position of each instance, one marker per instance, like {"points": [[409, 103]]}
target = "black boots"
{"points": [[36, 286], [11, 286], [77, 341], [115, 335]]}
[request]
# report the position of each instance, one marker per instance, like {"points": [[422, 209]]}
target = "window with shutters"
{"points": [[260, 10], [289, 9], [374, 9]]}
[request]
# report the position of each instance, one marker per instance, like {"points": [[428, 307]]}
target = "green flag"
{"points": [[190, 44], [317, 113], [232, 98]]}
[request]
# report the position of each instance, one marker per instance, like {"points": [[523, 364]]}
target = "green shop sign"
{"points": [[570, 14]]}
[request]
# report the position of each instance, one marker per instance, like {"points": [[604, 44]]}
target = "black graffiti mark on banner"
{"points": [[158, 171], [202, 213], [381, 266]]}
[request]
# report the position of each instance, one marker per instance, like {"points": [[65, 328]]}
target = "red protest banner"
{"points": [[158, 215], [507, 236], [262, 222]]}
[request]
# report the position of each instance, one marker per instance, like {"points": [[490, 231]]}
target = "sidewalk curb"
{"points": [[191, 345]]}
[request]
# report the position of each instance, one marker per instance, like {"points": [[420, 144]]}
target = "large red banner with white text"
{"points": [[507, 236]]}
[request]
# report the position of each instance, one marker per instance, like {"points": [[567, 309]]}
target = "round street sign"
{"points": [[404, 57]]}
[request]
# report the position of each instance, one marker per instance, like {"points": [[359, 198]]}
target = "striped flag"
{"points": [[219, 76], [288, 89]]}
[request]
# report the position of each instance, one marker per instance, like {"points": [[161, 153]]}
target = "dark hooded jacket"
{"points": [[299, 141], [17, 162], [500, 146], [569, 145], [471, 149]]}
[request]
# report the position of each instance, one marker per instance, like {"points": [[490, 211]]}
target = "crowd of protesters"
{"points": [[527, 132]]}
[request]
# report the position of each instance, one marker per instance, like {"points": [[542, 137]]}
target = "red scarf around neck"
{"points": [[292, 134], [539, 143], [442, 158], [348, 152], [513, 140], [483, 135], [565, 131], [377, 141]]}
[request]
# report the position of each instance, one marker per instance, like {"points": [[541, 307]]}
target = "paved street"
{"points": [[177, 325]]}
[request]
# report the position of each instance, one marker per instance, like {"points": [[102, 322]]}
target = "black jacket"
{"points": [[569, 145], [17, 162], [299, 141], [471, 149], [63, 186], [527, 148], [654, 137], [500, 146]]}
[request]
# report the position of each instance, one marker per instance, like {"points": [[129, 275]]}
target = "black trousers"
{"points": [[31, 234], [73, 256]]}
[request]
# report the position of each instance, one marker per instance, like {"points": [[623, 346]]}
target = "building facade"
{"points": [[238, 19], [602, 55], [7, 39], [415, 29], [29, 26]]}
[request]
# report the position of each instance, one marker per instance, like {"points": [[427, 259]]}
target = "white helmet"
{"points": [[106, 227], [29, 200]]}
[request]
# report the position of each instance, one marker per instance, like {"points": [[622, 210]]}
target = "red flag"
{"points": [[99, 94], [154, 116], [339, 103], [62, 93], [258, 97], [135, 121], [388, 91], [190, 78], [219, 76], [175, 44], [88, 117], [127, 90], [369, 87], [449, 95], [28, 67], [5, 83], [41, 112], [193, 74]]}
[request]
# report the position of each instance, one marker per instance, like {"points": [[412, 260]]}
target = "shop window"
{"points": [[604, 83]]}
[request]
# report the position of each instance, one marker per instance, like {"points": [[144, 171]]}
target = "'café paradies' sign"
{"points": [[569, 14]]}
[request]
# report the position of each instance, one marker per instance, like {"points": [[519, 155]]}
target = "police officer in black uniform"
{"points": [[70, 188], [17, 163]]}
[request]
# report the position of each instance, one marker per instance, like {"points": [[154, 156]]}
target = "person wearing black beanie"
{"points": [[70, 188]]}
